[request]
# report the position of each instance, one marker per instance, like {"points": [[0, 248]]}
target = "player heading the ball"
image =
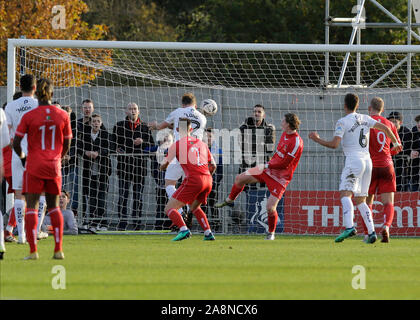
{"points": [[198, 164]]}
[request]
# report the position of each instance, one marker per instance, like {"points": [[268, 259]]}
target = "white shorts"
{"points": [[174, 171], [17, 172], [356, 176]]}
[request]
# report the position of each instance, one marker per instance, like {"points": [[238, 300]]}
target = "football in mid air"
{"points": [[208, 107]]}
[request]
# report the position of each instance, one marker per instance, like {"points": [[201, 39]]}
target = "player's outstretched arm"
{"points": [[332, 144], [158, 126]]}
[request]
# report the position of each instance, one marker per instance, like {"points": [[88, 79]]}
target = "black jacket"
{"points": [[416, 139], [249, 141], [123, 137], [406, 137], [103, 145]]}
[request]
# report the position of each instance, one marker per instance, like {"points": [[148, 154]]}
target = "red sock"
{"points": [[31, 221], [201, 218], [57, 223], [236, 190], [176, 218], [12, 218], [389, 214], [272, 221]]}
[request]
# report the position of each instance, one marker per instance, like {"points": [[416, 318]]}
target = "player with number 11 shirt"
{"points": [[49, 135]]}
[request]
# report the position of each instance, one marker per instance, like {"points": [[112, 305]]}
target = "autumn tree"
{"points": [[34, 20], [131, 20]]}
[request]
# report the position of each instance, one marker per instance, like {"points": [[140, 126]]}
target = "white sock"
{"points": [[348, 212], [183, 228], [20, 219], [367, 216], [207, 232], [170, 190], [41, 211], [2, 247]]}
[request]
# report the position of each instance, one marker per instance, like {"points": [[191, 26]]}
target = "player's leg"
{"points": [[173, 173], [349, 185], [201, 198], [19, 205], [348, 215], [2, 246], [11, 224], [201, 217], [387, 190], [387, 200], [369, 201], [172, 211], [241, 180], [360, 201], [31, 221], [52, 195], [272, 217], [41, 214], [19, 209]]}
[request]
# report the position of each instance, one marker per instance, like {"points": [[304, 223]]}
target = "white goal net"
{"points": [[308, 80]]}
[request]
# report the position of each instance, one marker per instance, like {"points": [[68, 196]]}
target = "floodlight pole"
{"points": [[350, 22], [353, 35], [409, 55], [327, 41]]}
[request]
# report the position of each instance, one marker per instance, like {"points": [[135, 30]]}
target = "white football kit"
{"points": [[354, 130], [4, 134], [198, 124], [14, 112]]}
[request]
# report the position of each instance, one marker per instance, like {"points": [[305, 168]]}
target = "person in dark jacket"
{"points": [[132, 138], [68, 163], [258, 140], [94, 148], [415, 155], [402, 159]]}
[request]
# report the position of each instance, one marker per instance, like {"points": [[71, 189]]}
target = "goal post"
{"points": [[281, 77]]}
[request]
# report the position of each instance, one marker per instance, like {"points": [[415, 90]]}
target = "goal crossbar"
{"points": [[261, 47]]}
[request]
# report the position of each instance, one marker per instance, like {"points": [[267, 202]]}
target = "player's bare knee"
{"points": [[240, 179]]}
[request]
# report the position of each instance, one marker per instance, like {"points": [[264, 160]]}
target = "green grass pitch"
{"points": [[232, 267]]}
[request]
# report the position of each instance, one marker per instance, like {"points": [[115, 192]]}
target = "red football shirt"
{"points": [[193, 155], [46, 126], [286, 158], [7, 161], [379, 144]]}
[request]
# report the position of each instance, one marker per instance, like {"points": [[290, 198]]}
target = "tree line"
{"points": [[239, 21]]}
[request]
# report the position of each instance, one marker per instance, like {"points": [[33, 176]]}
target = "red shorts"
{"points": [[32, 184], [194, 188], [9, 183], [383, 180], [275, 188]]}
